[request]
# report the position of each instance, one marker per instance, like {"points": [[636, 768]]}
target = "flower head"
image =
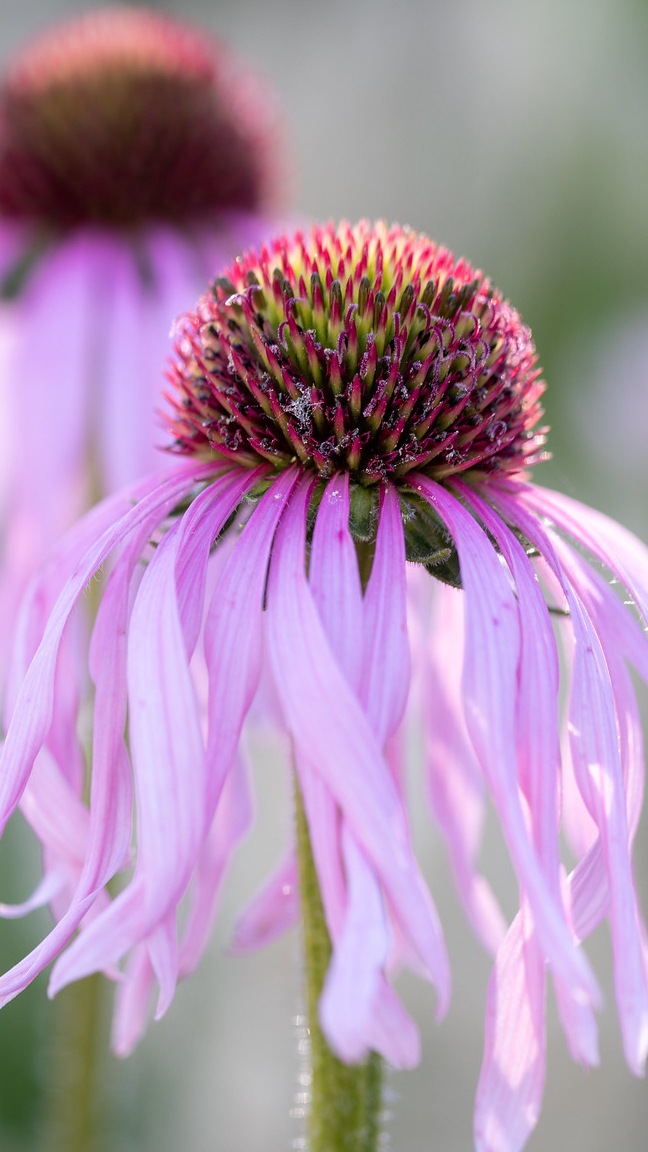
{"points": [[369, 350], [124, 117], [325, 441]]}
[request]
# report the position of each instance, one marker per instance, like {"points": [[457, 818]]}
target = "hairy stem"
{"points": [[346, 1100]]}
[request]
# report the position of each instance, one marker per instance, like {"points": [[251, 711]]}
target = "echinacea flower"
{"points": [[344, 403], [136, 157]]}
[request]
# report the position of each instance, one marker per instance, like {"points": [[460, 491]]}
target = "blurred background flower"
{"points": [[515, 133]]}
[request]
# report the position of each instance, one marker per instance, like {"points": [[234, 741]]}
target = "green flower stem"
{"points": [[346, 1100], [76, 1068]]}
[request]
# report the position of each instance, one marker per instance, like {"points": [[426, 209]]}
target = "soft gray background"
{"points": [[515, 132]]}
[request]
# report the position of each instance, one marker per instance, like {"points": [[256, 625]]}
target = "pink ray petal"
{"points": [[511, 1083], [359, 956], [335, 579], [232, 822], [132, 1002], [271, 911], [454, 781], [333, 739], [233, 635], [387, 659], [596, 758], [491, 659], [32, 715]]}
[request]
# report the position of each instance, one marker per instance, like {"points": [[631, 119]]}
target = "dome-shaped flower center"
{"points": [[125, 116], [358, 348]]}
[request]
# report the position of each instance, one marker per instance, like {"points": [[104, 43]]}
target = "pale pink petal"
{"points": [[359, 956], [103, 942], [56, 814], [538, 750], [164, 722], [108, 824], [454, 781], [391, 1030], [387, 660], [612, 544], [271, 912], [492, 653], [32, 715], [596, 758], [108, 836], [324, 821], [162, 945], [233, 635], [58, 305], [597, 762], [125, 402], [231, 823], [132, 1002], [333, 739], [335, 579], [511, 1084]]}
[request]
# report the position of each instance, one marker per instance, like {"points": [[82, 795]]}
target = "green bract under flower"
{"points": [[365, 349], [125, 116]]}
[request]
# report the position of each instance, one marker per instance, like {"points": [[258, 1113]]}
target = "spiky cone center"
{"points": [[125, 116], [365, 349]]}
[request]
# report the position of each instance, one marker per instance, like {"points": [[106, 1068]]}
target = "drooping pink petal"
{"points": [[324, 821], [57, 304], [492, 653], [333, 739], [596, 757], [162, 944], [454, 780], [166, 742], [511, 1082], [233, 635], [109, 822], [357, 1008], [271, 911], [387, 660], [537, 718], [32, 715], [611, 543], [165, 731], [132, 1002], [335, 579], [595, 720], [231, 823], [391, 1030], [124, 401], [335, 584]]}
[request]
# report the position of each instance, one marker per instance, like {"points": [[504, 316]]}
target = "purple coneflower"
{"points": [[136, 158], [344, 403]]}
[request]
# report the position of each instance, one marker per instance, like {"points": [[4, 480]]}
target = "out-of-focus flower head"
{"points": [[137, 155], [343, 403], [126, 117]]}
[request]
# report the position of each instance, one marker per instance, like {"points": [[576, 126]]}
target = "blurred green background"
{"points": [[514, 131]]}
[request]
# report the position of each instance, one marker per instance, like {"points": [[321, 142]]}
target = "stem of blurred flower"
{"points": [[345, 1100], [76, 1068]]}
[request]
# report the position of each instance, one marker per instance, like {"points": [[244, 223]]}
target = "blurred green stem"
{"points": [[346, 1100], [76, 1068]]}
